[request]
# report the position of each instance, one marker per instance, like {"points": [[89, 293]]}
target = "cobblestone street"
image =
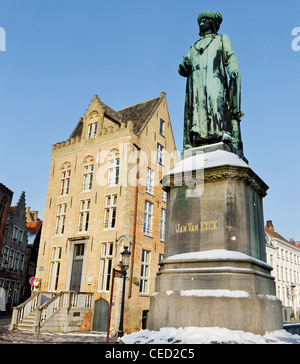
{"points": [[19, 337]]}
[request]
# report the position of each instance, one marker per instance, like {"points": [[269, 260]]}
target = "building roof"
{"points": [[269, 229], [33, 229], [139, 114]]}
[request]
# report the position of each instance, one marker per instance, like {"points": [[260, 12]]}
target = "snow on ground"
{"points": [[208, 335]]}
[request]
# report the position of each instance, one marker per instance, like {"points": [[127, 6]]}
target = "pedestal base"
{"points": [[214, 272], [217, 288]]}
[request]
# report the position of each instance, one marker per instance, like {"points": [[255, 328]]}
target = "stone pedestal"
{"points": [[214, 272]]}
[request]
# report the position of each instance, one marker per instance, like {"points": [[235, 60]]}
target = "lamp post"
{"points": [[125, 264]]}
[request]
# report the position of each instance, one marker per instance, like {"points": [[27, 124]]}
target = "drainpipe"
{"points": [[135, 220]]}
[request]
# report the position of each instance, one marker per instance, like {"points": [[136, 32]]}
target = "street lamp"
{"points": [[125, 264]]}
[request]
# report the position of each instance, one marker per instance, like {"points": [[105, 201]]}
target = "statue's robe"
{"points": [[207, 105]]}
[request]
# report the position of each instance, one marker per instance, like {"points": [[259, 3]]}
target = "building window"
{"points": [[22, 262], [11, 259], [163, 224], [54, 268], [145, 272], [5, 257], [16, 262], [113, 171], [162, 127], [88, 177], [164, 196], [150, 181], [159, 153], [105, 266], [92, 130], [110, 212], [84, 215], [65, 182], [147, 230], [60, 219], [17, 235]]}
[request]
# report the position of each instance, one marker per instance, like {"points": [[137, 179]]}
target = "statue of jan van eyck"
{"points": [[212, 105]]}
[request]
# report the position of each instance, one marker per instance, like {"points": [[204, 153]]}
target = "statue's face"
{"points": [[205, 25]]}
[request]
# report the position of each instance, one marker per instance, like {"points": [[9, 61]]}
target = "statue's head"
{"points": [[209, 20]]}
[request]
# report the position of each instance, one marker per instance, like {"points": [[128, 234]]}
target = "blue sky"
{"points": [[60, 53]]}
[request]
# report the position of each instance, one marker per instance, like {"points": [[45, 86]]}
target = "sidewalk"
{"points": [[25, 337]]}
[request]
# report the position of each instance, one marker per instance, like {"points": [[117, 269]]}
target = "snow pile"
{"points": [[208, 160], [215, 254], [214, 293], [208, 335]]}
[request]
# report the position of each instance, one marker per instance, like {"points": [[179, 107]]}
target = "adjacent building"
{"points": [[6, 196], [104, 193], [13, 255], [34, 229], [284, 257]]}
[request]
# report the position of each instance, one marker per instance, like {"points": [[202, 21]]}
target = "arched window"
{"points": [[88, 171], [65, 179], [92, 125], [113, 168]]}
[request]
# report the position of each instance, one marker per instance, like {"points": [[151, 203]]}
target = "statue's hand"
{"points": [[185, 67]]}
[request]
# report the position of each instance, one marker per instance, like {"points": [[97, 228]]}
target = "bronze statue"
{"points": [[212, 106]]}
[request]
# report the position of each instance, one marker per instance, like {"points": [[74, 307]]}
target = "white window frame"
{"points": [[163, 218], [113, 171], [60, 219], [92, 130], [88, 171], [110, 212], [84, 215], [105, 269], [65, 182], [159, 153], [145, 272], [55, 264], [148, 211], [150, 181]]}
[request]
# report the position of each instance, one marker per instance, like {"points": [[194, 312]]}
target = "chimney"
{"points": [[292, 241], [270, 226]]}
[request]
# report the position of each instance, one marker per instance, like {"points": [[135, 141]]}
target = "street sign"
{"points": [[35, 282]]}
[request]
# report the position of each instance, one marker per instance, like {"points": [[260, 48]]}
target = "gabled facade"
{"points": [[12, 273], [6, 196], [104, 193]]}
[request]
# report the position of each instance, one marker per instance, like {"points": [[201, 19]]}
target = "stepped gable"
{"points": [[139, 114], [15, 209]]}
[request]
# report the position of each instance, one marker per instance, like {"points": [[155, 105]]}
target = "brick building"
{"points": [[6, 196], [13, 255], [96, 205]]}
